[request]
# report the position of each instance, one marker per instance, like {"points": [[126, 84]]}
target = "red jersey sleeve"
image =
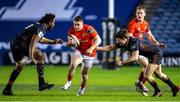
{"points": [[92, 31]]}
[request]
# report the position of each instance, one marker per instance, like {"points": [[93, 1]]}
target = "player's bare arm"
{"points": [[95, 45], [34, 40], [133, 58], [154, 41], [106, 48], [49, 41]]}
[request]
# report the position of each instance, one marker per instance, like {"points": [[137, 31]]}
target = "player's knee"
{"points": [[39, 56], [143, 69], [161, 75], [147, 76], [73, 66], [88, 64], [19, 67], [84, 76], [164, 76], [143, 61], [157, 75], [20, 64]]}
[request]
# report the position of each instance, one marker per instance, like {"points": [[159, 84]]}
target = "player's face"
{"points": [[51, 25], [140, 14], [78, 25], [121, 42]]}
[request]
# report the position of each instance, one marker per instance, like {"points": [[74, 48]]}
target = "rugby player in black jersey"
{"points": [[149, 51], [24, 45]]}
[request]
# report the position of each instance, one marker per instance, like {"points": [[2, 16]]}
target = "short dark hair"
{"points": [[122, 34], [47, 18], [141, 7], [78, 18]]}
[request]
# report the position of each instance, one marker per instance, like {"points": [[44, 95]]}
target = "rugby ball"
{"points": [[74, 41]]}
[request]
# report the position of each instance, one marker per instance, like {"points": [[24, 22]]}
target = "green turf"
{"points": [[103, 85]]}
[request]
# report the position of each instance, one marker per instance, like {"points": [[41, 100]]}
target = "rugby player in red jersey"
{"points": [[139, 28], [85, 53]]}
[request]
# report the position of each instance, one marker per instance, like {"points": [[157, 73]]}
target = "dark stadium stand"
{"points": [[165, 25]]}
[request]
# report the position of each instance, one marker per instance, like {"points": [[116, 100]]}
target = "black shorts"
{"points": [[155, 58], [18, 51], [152, 52]]}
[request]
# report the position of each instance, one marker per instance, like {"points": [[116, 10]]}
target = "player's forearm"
{"points": [[106, 48], [129, 61], [96, 43], [103, 49], [133, 58], [152, 39], [47, 41]]}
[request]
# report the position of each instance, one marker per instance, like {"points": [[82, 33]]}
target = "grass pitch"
{"points": [[103, 85]]}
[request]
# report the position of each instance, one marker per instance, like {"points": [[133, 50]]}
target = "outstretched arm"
{"points": [[152, 39], [106, 48], [49, 41]]}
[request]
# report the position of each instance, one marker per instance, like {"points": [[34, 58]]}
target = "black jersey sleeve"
{"points": [[39, 30], [134, 46]]}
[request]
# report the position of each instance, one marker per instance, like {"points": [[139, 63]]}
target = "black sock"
{"points": [[13, 77], [169, 82], [155, 86], [8, 87], [40, 70], [41, 80]]}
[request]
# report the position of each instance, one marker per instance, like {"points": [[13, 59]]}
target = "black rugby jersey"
{"points": [[23, 39], [134, 45]]}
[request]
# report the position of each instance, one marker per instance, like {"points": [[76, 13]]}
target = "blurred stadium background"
{"points": [[163, 15], [103, 85]]}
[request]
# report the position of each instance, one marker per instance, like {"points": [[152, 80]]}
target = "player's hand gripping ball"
{"points": [[73, 41]]}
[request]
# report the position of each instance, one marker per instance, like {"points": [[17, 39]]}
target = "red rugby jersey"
{"points": [[138, 29], [86, 37]]}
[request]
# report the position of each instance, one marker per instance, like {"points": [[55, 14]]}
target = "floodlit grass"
{"points": [[103, 85]]}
